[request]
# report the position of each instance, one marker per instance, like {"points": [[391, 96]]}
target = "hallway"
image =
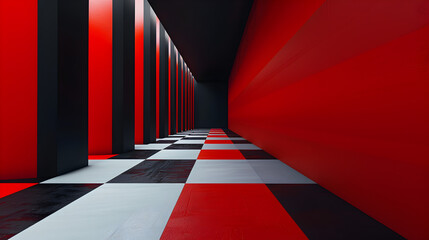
{"points": [[214, 119], [198, 184]]}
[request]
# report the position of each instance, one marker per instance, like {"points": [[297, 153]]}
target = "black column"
{"points": [[123, 76], [173, 88], [149, 111], [163, 83], [179, 85], [62, 137]]}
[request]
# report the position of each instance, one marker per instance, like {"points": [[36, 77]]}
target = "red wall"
{"points": [[18, 89], [100, 77], [339, 90], [139, 83]]}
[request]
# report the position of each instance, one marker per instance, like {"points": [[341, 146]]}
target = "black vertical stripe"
{"points": [[179, 97], [173, 88], [123, 76], [62, 139], [163, 83], [149, 110]]}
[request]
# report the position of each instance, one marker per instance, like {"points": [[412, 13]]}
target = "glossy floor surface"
{"points": [[200, 184]]}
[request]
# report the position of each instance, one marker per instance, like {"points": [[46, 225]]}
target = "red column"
{"points": [[18, 89], [100, 77], [139, 71]]}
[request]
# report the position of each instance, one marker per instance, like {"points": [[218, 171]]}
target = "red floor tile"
{"points": [[218, 142], [229, 211], [218, 136], [99, 157], [220, 154], [9, 188]]}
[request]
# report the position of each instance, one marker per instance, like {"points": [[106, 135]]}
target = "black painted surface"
{"points": [[185, 146], [179, 95], [149, 101], [216, 28], [239, 141], [163, 83], [322, 215], [62, 139], [136, 154], [211, 105], [24, 180], [22, 209], [230, 133], [157, 171], [172, 88], [256, 154], [123, 76], [166, 141]]}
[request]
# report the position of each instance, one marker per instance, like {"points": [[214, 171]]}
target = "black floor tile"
{"points": [[322, 215], [157, 171], [166, 141], [256, 154], [185, 146], [22, 209], [27, 180], [136, 154], [239, 141]]}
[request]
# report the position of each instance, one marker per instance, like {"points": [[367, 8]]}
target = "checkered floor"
{"points": [[200, 184]]}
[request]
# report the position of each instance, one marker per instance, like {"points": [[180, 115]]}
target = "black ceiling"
{"points": [[206, 32]]}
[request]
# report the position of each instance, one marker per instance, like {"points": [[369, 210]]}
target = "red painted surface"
{"points": [[169, 86], [216, 130], [10, 188], [217, 135], [100, 157], [177, 90], [157, 75], [100, 77], [229, 211], [139, 72], [18, 89], [185, 101], [182, 96], [220, 154], [341, 94]]}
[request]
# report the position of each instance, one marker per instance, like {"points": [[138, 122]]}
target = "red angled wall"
{"points": [[100, 77], [339, 90], [139, 83], [18, 89]]}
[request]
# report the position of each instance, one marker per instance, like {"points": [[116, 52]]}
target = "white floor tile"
{"points": [[223, 171], [231, 146], [227, 138], [275, 171], [194, 136], [112, 211], [97, 171], [190, 141], [151, 146], [171, 138]]}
